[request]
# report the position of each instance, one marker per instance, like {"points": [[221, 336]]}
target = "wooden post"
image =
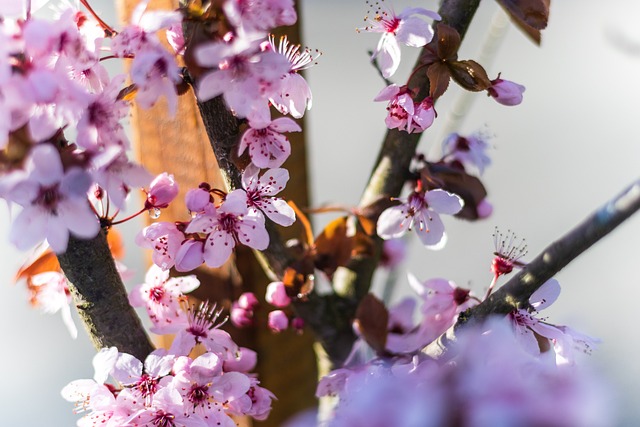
{"points": [[179, 145]]}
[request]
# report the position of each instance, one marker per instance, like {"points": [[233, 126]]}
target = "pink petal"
{"points": [[285, 124], [414, 32], [393, 222], [432, 234], [218, 248], [252, 233], [443, 202], [388, 55], [546, 294]]}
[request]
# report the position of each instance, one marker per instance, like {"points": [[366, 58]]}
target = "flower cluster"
{"points": [[489, 379], [170, 389]]}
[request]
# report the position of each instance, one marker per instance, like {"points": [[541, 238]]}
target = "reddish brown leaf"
{"points": [[439, 76], [470, 75], [454, 180], [46, 261], [530, 16], [298, 278], [447, 42], [372, 318], [339, 243]]}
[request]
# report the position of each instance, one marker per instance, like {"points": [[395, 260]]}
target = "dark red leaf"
{"points": [[338, 243], [470, 75], [439, 76], [456, 180], [447, 42], [530, 16], [372, 318]]}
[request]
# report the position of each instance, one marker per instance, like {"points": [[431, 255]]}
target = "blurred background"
{"points": [[570, 146]]}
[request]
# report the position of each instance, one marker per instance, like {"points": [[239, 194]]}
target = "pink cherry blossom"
{"points": [[197, 199], [241, 317], [165, 239], [117, 175], [244, 75], [278, 321], [54, 202], [166, 409], [99, 126], [421, 209], [203, 328], [162, 297], [230, 224], [277, 295], [162, 190], [190, 255], [403, 112], [506, 92], [405, 28], [470, 151], [244, 361], [53, 295], [204, 387], [268, 148], [294, 96], [261, 192], [260, 15]]}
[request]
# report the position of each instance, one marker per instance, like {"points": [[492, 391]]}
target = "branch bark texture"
{"points": [[391, 169], [100, 297], [516, 292]]}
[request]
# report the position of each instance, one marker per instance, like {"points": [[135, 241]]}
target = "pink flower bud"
{"points": [[297, 323], [162, 191], [248, 301], [484, 208], [506, 92], [190, 255], [277, 295], [240, 317], [394, 251], [245, 362], [278, 321], [197, 199]]}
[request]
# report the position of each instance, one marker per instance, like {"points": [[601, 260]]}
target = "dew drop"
{"points": [[154, 213]]}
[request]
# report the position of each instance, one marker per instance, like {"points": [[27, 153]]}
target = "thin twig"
{"points": [[517, 291]]}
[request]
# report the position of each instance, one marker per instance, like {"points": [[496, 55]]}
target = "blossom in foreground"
{"points": [[403, 112], [488, 380], [294, 95], [420, 211], [228, 225], [162, 297], [406, 28], [261, 191], [54, 202], [268, 148]]}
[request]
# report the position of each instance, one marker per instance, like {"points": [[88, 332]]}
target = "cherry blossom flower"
{"points": [[276, 295], [405, 28], [117, 175], [52, 295], [508, 252], [166, 409], [162, 190], [54, 202], [99, 126], [230, 224], [294, 96], [143, 380], [421, 209], [261, 191], [260, 15], [165, 239], [203, 328], [268, 148], [470, 151], [506, 92], [394, 251], [205, 387], [162, 297], [244, 75], [403, 112]]}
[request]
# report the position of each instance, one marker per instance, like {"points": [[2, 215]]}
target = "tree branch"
{"points": [[516, 292], [100, 297], [398, 149]]}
